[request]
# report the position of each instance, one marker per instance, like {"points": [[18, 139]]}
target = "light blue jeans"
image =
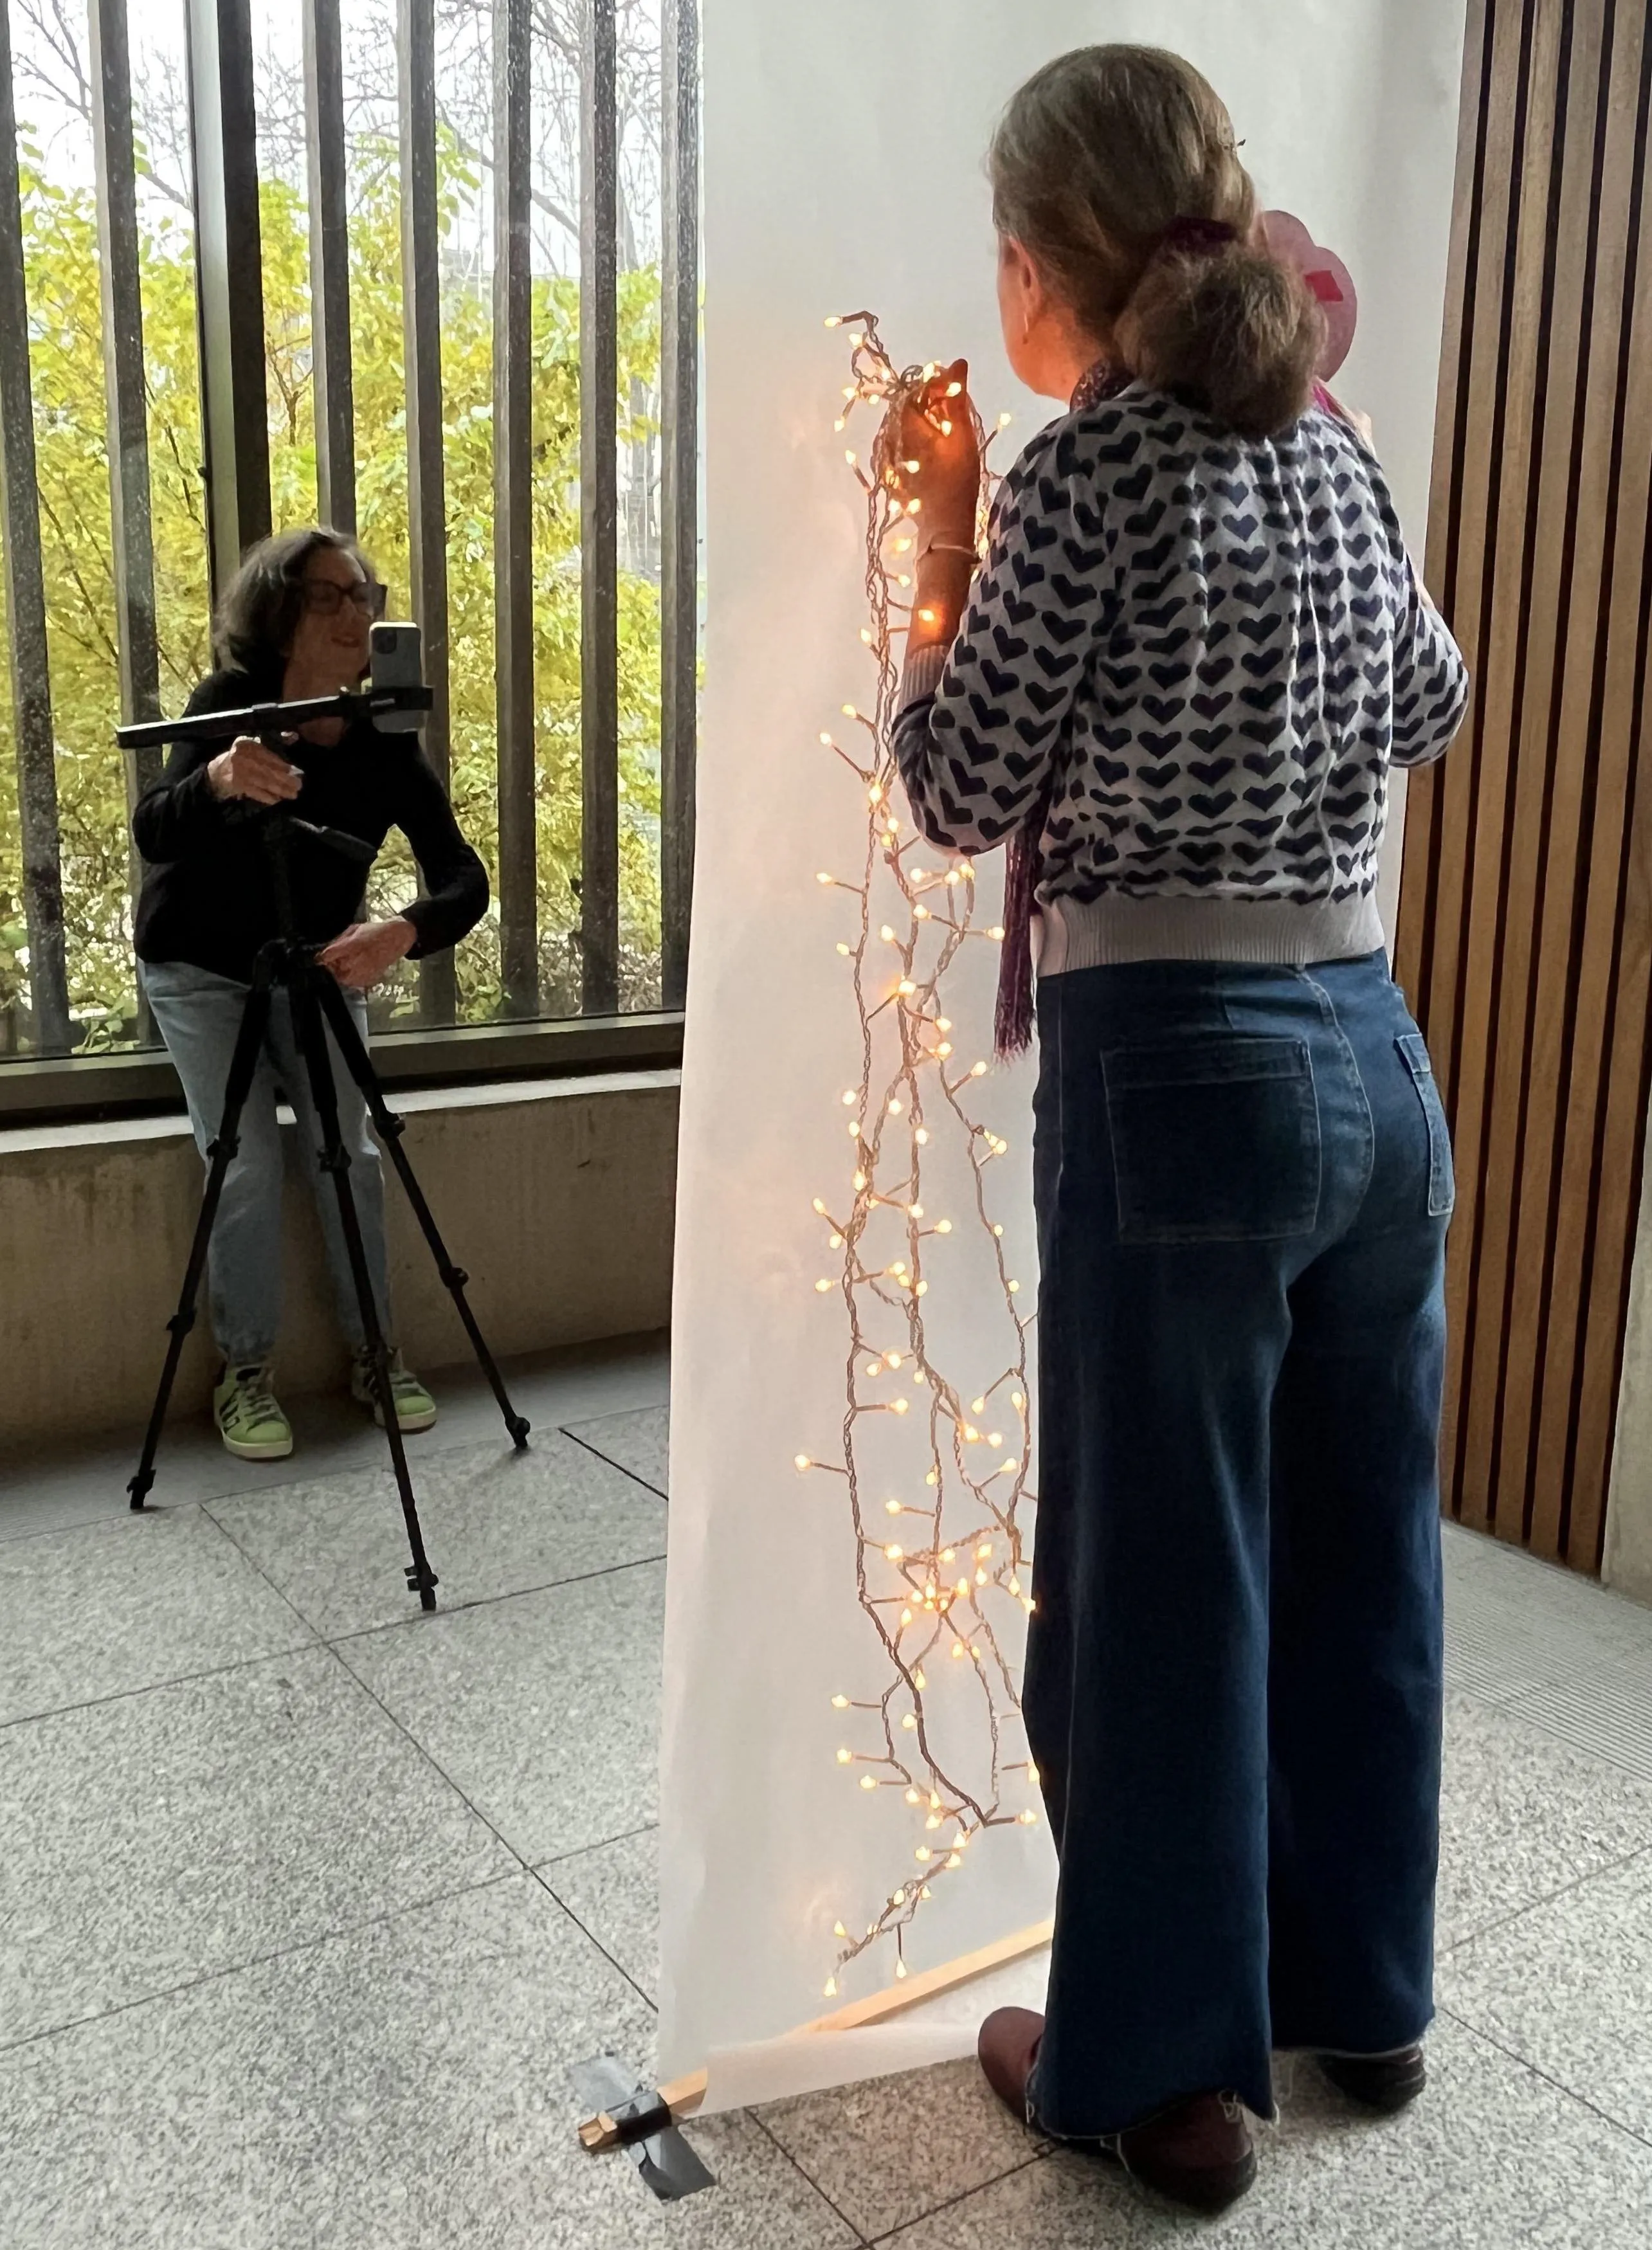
{"points": [[198, 1015]]}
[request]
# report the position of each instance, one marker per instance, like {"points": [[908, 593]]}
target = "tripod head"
{"points": [[390, 705]]}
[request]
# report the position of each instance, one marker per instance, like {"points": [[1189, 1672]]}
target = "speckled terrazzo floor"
{"points": [[308, 1904]]}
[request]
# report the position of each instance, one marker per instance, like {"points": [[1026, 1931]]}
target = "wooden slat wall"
{"points": [[1525, 937]]}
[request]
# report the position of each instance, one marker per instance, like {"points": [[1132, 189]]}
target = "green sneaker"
{"points": [[250, 1422], [415, 1408]]}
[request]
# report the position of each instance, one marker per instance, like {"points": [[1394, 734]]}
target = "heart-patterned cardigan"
{"points": [[1186, 669]]}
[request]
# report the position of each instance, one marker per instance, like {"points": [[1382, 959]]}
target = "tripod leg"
{"points": [[249, 1041], [335, 1160], [391, 1127]]}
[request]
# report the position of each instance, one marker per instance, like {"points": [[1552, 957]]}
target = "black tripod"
{"points": [[288, 963]]}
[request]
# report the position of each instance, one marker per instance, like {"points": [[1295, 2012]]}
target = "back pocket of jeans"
{"points": [[1443, 1183], [1214, 1139]]}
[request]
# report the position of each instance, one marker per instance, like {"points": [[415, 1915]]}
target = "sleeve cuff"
{"points": [[922, 674]]}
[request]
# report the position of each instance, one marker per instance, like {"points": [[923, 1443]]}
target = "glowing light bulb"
{"points": [[868, 1781], [1028, 1819], [895, 1108], [928, 617], [846, 1758], [921, 1137], [894, 1359], [943, 1226], [893, 1554], [983, 1551], [919, 1681], [995, 1438], [839, 1702], [886, 933], [834, 319], [980, 1577], [995, 932], [910, 1723], [891, 1507], [844, 950], [831, 1988], [901, 1968], [821, 1287], [1004, 420], [1032, 1774], [838, 1929], [977, 1070], [1017, 1399], [912, 1797], [899, 1406], [915, 1211], [953, 390], [823, 877], [1015, 1288], [850, 457], [978, 1406], [840, 424]]}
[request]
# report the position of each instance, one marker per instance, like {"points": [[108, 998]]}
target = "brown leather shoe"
{"points": [[1008, 2048], [1198, 2152], [1386, 2082]]}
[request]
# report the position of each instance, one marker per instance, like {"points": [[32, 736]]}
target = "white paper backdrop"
{"points": [[843, 168]]}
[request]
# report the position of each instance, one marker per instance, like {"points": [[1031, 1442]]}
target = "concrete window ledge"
{"points": [[556, 1196]]}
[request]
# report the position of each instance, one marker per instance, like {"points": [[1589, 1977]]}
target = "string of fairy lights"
{"points": [[942, 1566]]}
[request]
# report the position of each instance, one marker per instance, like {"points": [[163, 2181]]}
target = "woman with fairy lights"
{"points": [[1176, 690]]}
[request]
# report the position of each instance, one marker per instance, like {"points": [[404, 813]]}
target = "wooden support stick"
{"points": [[684, 2095]]}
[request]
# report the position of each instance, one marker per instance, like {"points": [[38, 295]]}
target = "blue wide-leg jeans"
{"points": [[1232, 1690]]}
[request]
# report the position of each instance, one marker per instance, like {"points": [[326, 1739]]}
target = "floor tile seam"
{"points": [[418, 1617], [431, 1760], [340, 1936], [602, 1844], [588, 1933], [755, 2117], [608, 1461], [1547, 2077], [1537, 1906], [956, 2202], [312, 1641]]}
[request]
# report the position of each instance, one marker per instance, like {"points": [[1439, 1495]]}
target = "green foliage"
{"points": [[65, 314]]}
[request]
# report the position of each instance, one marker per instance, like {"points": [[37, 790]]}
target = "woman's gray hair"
{"points": [[259, 611]]}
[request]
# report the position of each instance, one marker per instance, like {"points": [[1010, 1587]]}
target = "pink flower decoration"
{"points": [[1325, 275]]}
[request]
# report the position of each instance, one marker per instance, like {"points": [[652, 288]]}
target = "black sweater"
{"points": [[207, 898]]}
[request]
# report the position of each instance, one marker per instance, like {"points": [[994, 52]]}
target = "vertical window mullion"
{"points": [[678, 485], [599, 510], [26, 610], [426, 493], [513, 508], [329, 266]]}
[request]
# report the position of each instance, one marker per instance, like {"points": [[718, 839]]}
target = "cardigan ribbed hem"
{"points": [[1286, 933], [923, 673]]}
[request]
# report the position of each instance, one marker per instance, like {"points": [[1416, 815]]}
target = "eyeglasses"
{"points": [[325, 597]]}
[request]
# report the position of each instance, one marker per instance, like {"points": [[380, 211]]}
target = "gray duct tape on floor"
{"points": [[668, 2167]]}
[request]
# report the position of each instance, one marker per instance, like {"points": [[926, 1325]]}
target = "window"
{"points": [[426, 269]]}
